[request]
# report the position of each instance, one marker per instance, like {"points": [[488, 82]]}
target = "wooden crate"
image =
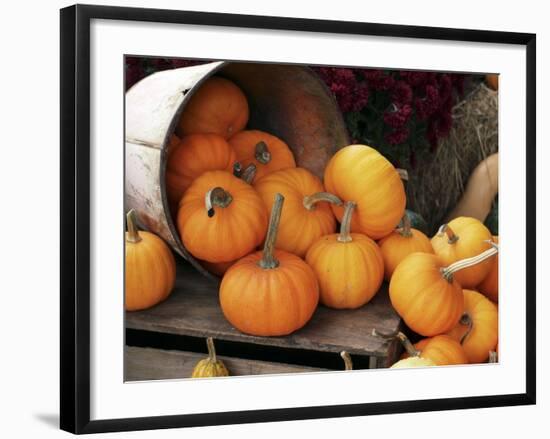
{"points": [[192, 313]]}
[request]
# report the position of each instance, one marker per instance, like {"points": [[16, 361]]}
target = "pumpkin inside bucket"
{"points": [[288, 101]]}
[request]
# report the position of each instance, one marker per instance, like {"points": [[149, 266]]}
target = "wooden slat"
{"points": [[143, 364], [193, 310]]}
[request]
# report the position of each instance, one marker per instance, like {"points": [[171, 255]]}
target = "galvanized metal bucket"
{"points": [[288, 101]]}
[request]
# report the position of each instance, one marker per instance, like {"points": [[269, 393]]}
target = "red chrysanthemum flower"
{"points": [[397, 136], [396, 116]]}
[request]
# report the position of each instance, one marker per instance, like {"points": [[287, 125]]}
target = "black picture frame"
{"points": [[75, 217]]}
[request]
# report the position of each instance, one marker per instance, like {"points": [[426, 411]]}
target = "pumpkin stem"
{"points": [[211, 349], [445, 229], [261, 153], [405, 231], [403, 174], [405, 342], [249, 173], [345, 226], [216, 197], [268, 260], [468, 262], [311, 200], [133, 235], [348, 364], [466, 320], [493, 357], [237, 169]]}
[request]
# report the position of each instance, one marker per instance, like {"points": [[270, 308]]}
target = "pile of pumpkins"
{"points": [[234, 191]]}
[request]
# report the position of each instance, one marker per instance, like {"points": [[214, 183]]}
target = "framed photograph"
{"points": [[268, 219]]}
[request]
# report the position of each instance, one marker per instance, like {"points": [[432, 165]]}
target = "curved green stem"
{"points": [[268, 260], [311, 200], [133, 234], [216, 197], [345, 226]]}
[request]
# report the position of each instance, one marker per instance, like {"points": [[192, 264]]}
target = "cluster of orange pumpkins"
{"points": [[234, 190]]}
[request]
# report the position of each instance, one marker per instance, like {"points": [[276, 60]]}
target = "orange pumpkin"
{"points": [[442, 350], [477, 330], [218, 107], [361, 174], [267, 152], [269, 293], [413, 362], [307, 215], [489, 285], [221, 218], [462, 238], [349, 266], [401, 243], [492, 81], [194, 155], [150, 268], [426, 294]]}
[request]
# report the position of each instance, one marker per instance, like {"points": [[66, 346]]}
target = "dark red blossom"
{"points": [[379, 80], [350, 93], [402, 93], [396, 116], [427, 105], [397, 136]]}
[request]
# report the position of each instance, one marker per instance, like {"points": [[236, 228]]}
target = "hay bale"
{"points": [[435, 188]]}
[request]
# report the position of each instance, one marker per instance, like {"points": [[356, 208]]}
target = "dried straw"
{"points": [[435, 188]]}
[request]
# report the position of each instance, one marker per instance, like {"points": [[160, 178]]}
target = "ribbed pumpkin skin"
{"points": [[442, 350], [395, 247], [233, 231], [244, 144], [427, 302], [150, 272], [299, 227], [209, 369], [218, 107], [484, 335], [191, 157], [361, 174], [489, 285], [413, 362], [269, 302], [349, 273], [472, 234]]}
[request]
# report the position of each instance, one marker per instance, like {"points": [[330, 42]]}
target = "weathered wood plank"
{"points": [[143, 364], [193, 310]]}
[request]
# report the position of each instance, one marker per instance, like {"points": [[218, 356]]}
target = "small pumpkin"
{"points": [[150, 272], [462, 238], [349, 266], [221, 218], [426, 294], [348, 363], [413, 362], [307, 215], [400, 243], [492, 81], [441, 349], [193, 156], [361, 174], [210, 367], [218, 107], [489, 285], [217, 268], [477, 329], [266, 151], [269, 293]]}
